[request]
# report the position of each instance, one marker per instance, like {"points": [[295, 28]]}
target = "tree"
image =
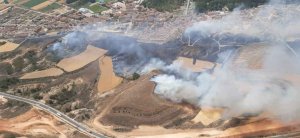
{"points": [[135, 76]]}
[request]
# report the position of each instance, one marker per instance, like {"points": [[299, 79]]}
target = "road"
{"points": [[80, 127]]}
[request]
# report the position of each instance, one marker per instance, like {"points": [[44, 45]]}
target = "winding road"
{"points": [[78, 126]]}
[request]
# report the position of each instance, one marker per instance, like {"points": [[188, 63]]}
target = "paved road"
{"points": [[80, 127]]}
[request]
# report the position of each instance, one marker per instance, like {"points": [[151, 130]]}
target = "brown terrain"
{"points": [[42, 5], [138, 105], [198, 66], [52, 72], [107, 79], [36, 123], [76, 62], [6, 46]]}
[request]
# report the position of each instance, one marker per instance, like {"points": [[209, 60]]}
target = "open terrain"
{"points": [[36, 123], [42, 5], [107, 79], [195, 65], [6, 46], [76, 62], [52, 72]]}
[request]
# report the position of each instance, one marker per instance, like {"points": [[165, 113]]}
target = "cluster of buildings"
{"points": [[19, 22]]}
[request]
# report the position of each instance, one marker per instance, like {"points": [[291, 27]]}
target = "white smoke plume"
{"points": [[274, 89]]}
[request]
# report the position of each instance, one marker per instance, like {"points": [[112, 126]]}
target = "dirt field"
{"points": [[107, 79], [199, 66], [36, 123], [42, 5], [8, 46], [43, 73], [76, 62]]}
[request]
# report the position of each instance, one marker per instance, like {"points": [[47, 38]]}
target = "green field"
{"points": [[80, 4], [51, 7], [32, 3], [96, 8]]}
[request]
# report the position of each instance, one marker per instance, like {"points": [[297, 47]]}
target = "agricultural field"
{"points": [[96, 8], [52, 72], [50, 7], [107, 79], [42, 5], [32, 3], [76, 62], [6, 46]]}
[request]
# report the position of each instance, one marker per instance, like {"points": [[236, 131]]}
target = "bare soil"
{"points": [[8, 46], [51, 72], [107, 79], [76, 62]]}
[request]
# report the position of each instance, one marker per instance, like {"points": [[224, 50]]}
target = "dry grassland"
{"points": [[52, 72], [107, 79], [8, 46], [76, 62]]}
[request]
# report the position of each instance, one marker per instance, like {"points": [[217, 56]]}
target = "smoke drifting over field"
{"points": [[244, 91]]}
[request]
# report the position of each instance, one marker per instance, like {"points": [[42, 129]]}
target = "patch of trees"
{"points": [[18, 63], [31, 56], [213, 5], [135, 76], [7, 55], [163, 5], [6, 68], [34, 92], [52, 56], [5, 83], [11, 103], [64, 96]]}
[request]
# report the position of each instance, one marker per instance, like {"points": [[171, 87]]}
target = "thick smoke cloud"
{"points": [[273, 89]]}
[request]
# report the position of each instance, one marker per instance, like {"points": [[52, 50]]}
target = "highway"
{"points": [[80, 127]]}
